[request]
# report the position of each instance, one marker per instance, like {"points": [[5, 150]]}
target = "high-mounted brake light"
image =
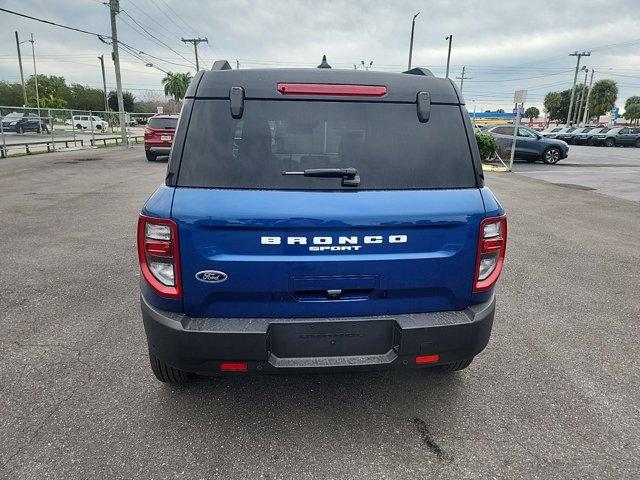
{"points": [[159, 255], [332, 89], [492, 246]]}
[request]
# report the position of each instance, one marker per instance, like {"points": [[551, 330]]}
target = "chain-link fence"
{"points": [[31, 130]]}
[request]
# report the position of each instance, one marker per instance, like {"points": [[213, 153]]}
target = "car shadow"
{"points": [[407, 401]]}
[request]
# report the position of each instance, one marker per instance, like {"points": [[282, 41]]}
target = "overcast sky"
{"points": [[506, 45]]}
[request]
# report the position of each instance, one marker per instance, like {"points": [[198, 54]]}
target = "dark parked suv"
{"points": [[617, 137], [319, 219], [20, 122], [530, 145]]}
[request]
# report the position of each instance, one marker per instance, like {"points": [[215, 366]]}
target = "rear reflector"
{"points": [[233, 366], [332, 89], [423, 359]]}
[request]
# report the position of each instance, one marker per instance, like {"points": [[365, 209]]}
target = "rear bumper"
{"points": [[271, 345], [158, 150]]}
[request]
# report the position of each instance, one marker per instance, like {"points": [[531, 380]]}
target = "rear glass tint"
{"points": [[385, 142], [167, 123]]}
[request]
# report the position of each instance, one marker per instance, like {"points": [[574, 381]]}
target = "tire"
{"points": [[19, 129], [151, 157], [638, 143], [551, 156], [98, 127], [455, 366], [167, 374], [78, 127], [610, 142]]}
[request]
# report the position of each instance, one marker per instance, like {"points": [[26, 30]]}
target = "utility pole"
{"points": [[413, 27], [575, 79], [462, 78], [450, 38], [195, 42], [24, 87], [586, 106], [35, 73], [114, 9], [104, 84], [580, 105]]}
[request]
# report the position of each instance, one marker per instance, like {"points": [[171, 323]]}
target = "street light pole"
{"points": [[24, 87], [586, 106], [104, 84], [584, 87], [35, 73], [450, 38], [413, 27], [575, 79], [114, 9]]}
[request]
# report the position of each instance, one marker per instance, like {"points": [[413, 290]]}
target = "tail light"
{"points": [[148, 132], [492, 246], [159, 255]]}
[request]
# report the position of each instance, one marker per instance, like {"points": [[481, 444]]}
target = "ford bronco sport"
{"points": [[317, 219]]}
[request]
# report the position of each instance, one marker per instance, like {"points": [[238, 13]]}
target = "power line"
{"points": [[154, 37]]}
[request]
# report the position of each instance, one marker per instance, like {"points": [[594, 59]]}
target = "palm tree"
{"points": [[176, 84]]}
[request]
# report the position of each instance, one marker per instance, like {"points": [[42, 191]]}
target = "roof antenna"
{"points": [[324, 63]]}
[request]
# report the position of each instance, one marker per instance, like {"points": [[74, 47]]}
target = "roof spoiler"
{"points": [[221, 65], [420, 71]]}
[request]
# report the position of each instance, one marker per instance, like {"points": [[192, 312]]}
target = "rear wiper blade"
{"points": [[349, 176]]}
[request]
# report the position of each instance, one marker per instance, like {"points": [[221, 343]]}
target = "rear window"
{"points": [[165, 123], [385, 142]]}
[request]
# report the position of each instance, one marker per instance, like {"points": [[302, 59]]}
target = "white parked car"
{"points": [[84, 122]]}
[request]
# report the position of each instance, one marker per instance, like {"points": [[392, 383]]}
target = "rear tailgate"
{"points": [[314, 254]]}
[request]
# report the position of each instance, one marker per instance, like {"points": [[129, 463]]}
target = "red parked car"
{"points": [[158, 136]]}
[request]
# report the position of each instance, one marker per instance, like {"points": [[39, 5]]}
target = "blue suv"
{"points": [[319, 219]]}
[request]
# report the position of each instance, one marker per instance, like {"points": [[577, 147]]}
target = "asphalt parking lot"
{"points": [[613, 171], [555, 395]]}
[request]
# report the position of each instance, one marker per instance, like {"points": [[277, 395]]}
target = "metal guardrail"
{"points": [[50, 144], [65, 122]]}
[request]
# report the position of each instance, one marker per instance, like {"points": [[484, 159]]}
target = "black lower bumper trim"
{"points": [[198, 345]]}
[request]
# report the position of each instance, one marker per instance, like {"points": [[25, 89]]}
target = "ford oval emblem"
{"points": [[211, 276]]}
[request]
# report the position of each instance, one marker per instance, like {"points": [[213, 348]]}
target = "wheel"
{"points": [[19, 129], [455, 366], [151, 157], [610, 142], [167, 374], [78, 126], [638, 143], [98, 127], [551, 156]]}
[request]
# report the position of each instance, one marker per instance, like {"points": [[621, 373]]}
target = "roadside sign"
{"points": [[520, 96], [160, 110]]}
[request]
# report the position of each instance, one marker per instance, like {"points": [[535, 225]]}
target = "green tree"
{"points": [[632, 112], [52, 102], [632, 109], [500, 110], [47, 86], [603, 97], [127, 98], [86, 98], [11, 94], [552, 105], [531, 113], [176, 84]]}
